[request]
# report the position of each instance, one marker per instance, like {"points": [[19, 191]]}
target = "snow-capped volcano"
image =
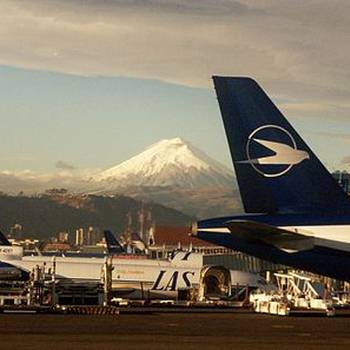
{"points": [[172, 162]]}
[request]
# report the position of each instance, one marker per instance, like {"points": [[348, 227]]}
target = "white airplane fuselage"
{"points": [[159, 277]]}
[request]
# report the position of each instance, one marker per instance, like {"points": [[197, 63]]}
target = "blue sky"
{"points": [[89, 83], [97, 122]]}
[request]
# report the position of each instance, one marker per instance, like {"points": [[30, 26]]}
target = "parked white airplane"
{"points": [[132, 276]]}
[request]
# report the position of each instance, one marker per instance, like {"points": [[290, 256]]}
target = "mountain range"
{"points": [[174, 173], [171, 172], [172, 162]]}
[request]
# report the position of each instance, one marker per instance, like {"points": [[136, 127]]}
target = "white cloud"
{"points": [[336, 135], [30, 181], [346, 160], [61, 164], [298, 49]]}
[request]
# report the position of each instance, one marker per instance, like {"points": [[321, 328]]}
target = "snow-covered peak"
{"points": [[167, 163]]}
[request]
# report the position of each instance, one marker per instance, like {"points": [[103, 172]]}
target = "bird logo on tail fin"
{"points": [[282, 155]]}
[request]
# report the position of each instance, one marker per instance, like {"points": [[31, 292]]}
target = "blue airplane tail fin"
{"points": [[3, 240], [276, 171], [113, 246]]}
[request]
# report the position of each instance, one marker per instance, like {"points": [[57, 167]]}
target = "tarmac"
{"points": [[236, 330]]}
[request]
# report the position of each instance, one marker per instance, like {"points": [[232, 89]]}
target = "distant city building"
{"points": [[16, 231], [56, 246], [91, 236], [63, 237], [140, 222], [79, 237], [86, 237]]}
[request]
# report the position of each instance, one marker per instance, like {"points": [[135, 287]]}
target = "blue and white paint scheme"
{"points": [[296, 214]]}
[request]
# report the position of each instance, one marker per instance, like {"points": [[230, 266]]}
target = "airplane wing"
{"points": [[280, 238]]}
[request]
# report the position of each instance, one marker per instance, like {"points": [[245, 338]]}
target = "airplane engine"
{"points": [[214, 283]]}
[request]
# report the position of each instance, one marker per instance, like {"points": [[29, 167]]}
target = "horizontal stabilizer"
{"points": [[283, 239], [113, 246]]}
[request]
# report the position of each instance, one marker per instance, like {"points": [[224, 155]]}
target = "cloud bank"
{"points": [[32, 182], [296, 48], [346, 161], [61, 164]]}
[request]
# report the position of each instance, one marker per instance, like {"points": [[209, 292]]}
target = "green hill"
{"points": [[45, 215]]}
